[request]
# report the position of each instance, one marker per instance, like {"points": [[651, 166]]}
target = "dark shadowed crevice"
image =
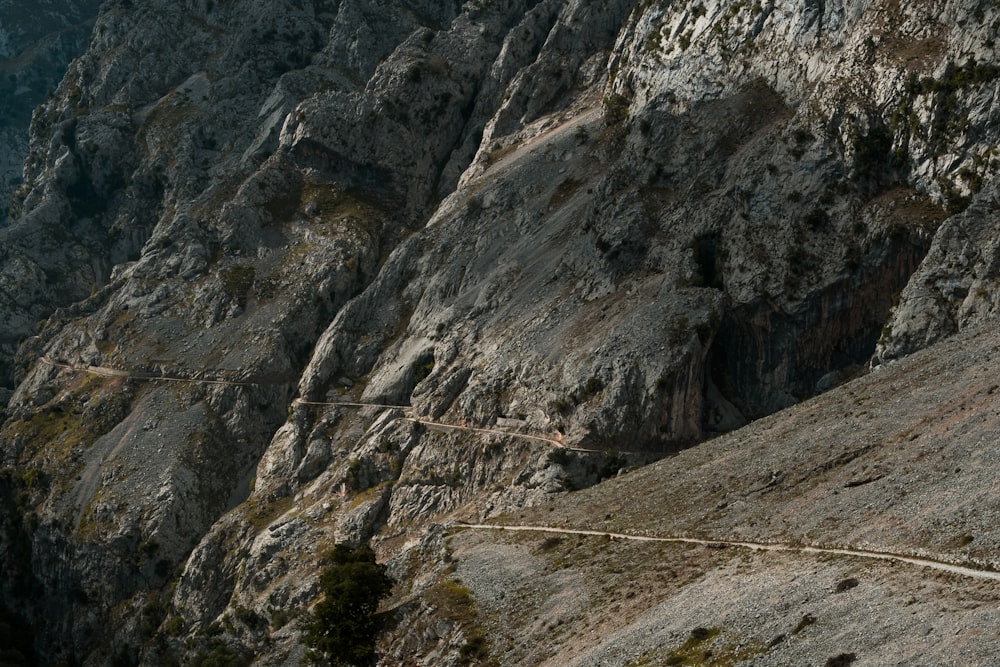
{"points": [[766, 357]]}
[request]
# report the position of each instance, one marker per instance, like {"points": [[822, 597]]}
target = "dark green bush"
{"points": [[237, 281], [817, 218], [594, 386], [616, 108], [217, 653], [342, 629], [422, 368], [560, 456]]}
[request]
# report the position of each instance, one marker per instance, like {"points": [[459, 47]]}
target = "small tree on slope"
{"points": [[342, 628]]}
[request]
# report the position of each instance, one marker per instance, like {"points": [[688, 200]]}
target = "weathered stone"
{"points": [[487, 228]]}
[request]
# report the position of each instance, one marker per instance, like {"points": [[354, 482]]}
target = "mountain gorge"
{"points": [[281, 275]]}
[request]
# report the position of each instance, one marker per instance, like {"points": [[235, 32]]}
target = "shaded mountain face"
{"points": [[619, 226], [37, 42]]}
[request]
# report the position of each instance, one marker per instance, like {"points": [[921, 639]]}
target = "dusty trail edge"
{"points": [[961, 570]]}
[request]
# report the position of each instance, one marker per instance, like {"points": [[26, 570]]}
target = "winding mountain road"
{"points": [[962, 570]]}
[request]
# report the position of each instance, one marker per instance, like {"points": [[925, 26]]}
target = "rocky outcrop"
{"points": [[37, 42], [954, 287], [465, 235]]}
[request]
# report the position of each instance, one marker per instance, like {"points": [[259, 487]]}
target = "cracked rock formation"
{"points": [[37, 41], [623, 227]]}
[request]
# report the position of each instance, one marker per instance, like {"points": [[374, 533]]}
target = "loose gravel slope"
{"points": [[902, 461]]}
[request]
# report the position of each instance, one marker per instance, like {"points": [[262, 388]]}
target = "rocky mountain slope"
{"points": [[623, 227], [37, 41]]}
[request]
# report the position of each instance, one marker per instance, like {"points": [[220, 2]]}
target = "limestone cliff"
{"points": [[617, 226], [37, 41]]}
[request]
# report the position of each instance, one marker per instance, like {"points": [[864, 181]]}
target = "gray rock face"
{"points": [[954, 287], [37, 41], [616, 227]]}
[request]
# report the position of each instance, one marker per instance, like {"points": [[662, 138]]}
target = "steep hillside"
{"points": [[38, 38], [908, 476], [283, 274]]}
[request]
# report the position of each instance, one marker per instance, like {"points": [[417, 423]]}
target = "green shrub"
{"points": [[355, 474], [817, 218], [343, 627], [237, 281], [422, 368], [282, 617], [219, 654], [174, 626], [594, 386], [692, 652], [34, 478], [616, 108], [560, 406], [611, 464]]}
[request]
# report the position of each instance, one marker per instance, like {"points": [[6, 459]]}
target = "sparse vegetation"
{"points": [[691, 652], [422, 367], [282, 617], [153, 613], [237, 281], [454, 602], [947, 119], [616, 108], [217, 653]]}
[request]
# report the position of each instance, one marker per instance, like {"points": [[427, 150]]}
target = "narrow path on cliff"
{"points": [[962, 570], [939, 565], [105, 371]]}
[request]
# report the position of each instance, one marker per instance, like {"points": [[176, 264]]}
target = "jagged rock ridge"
{"points": [[37, 41], [623, 225]]}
